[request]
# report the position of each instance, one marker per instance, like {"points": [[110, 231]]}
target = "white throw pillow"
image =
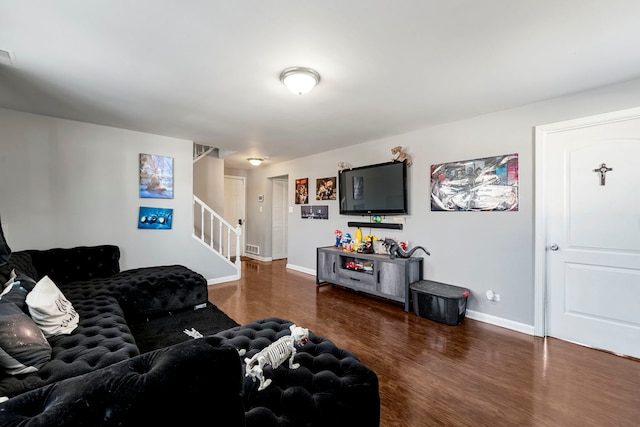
{"points": [[49, 308]]}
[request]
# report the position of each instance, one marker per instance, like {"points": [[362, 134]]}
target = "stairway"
{"points": [[211, 229]]}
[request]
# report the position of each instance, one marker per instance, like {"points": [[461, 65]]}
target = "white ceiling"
{"points": [[207, 70]]}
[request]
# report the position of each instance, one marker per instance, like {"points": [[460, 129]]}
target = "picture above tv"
{"points": [[379, 189]]}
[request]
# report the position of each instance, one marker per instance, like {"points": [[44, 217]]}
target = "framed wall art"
{"points": [[486, 184], [155, 218], [326, 188], [156, 176], [302, 191], [314, 212]]}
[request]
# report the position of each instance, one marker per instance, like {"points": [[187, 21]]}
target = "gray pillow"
{"points": [[23, 347]]}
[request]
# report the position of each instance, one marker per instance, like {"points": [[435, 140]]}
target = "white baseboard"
{"points": [[223, 279], [258, 258], [499, 321], [301, 269]]}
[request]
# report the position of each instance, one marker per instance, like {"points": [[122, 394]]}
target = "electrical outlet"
{"points": [[492, 296]]}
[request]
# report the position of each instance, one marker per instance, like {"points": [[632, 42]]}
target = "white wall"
{"points": [[208, 179], [66, 183], [478, 250]]}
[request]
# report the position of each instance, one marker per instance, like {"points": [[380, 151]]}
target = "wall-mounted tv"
{"points": [[374, 190]]}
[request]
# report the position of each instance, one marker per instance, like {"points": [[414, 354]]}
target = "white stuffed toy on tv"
{"points": [[275, 354]]}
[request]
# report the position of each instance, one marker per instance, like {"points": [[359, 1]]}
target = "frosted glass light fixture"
{"points": [[299, 80], [255, 161]]}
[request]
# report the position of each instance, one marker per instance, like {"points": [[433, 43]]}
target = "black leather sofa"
{"points": [[116, 368]]}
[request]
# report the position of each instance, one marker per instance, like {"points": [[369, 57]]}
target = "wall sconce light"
{"points": [[255, 161], [299, 80]]}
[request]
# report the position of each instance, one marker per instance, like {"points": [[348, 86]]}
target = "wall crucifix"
{"points": [[602, 170]]}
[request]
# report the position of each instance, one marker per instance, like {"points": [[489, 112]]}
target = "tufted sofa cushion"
{"points": [[101, 339], [331, 387], [146, 292], [193, 383]]}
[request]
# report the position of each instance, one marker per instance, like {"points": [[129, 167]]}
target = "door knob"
{"points": [[554, 247]]}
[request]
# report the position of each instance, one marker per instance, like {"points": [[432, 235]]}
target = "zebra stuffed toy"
{"points": [[275, 354]]}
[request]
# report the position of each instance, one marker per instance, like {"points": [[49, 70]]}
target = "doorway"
{"points": [[588, 231], [279, 217], [234, 207]]}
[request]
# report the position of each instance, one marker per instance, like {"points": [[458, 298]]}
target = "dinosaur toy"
{"points": [[396, 251]]}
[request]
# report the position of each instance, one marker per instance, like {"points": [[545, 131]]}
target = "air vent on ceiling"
{"points": [[6, 57]]}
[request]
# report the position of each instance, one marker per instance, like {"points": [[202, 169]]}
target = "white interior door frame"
{"points": [[279, 235], [235, 205], [542, 184]]}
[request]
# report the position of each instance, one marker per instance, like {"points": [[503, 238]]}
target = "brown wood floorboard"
{"points": [[431, 374]]}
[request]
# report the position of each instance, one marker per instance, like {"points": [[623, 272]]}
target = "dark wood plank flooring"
{"points": [[473, 374]]}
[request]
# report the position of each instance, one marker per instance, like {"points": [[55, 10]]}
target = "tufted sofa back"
{"points": [[65, 265]]}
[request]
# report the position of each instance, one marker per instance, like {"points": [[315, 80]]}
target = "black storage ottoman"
{"points": [[439, 301]]}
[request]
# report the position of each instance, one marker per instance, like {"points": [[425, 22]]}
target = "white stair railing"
{"points": [[216, 233], [200, 151]]}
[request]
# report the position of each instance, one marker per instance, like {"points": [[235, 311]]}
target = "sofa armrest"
{"points": [[149, 292], [179, 385], [64, 265]]}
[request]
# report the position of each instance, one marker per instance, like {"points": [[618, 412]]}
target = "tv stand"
{"points": [[374, 274], [392, 226]]}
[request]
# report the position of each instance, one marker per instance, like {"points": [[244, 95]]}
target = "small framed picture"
{"points": [[155, 218], [314, 212], [302, 191], [326, 188]]}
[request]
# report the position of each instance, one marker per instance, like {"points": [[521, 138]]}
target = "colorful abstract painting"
{"points": [[486, 184]]}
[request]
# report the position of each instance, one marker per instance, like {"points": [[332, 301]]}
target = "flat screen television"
{"points": [[374, 190]]}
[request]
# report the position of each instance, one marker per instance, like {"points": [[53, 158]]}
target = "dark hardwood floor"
{"points": [[473, 374]]}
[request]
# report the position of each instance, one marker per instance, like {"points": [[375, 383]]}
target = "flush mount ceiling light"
{"points": [[299, 80], [255, 161]]}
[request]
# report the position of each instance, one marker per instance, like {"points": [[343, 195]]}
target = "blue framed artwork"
{"points": [[155, 218], [156, 176]]}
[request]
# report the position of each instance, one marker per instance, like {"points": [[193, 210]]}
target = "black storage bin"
{"points": [[439, 301]]}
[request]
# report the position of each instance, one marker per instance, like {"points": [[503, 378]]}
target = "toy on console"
{"points": [[395, 250], [346, 242], [367, 248], [275, 354], [338, 234]]}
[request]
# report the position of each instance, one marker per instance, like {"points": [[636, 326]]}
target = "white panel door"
{"points": [[279, 219], [593, 233], [234, 208]]}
